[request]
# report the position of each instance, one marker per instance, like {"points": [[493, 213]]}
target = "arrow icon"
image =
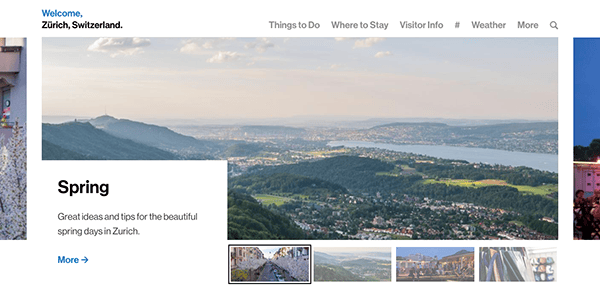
{"points": [[85, 259]]}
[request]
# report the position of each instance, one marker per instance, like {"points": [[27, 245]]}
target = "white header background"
{"points": [[194, 263]]}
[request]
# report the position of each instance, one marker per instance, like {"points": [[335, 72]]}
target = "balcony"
{"points": [[10, 60]]}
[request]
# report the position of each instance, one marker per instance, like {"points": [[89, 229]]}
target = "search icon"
{"points": [[553, 25]]}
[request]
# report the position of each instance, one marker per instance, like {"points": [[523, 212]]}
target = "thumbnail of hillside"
{"points": [[351, 266]]}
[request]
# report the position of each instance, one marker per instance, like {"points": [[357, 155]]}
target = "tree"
{"points": [[13, 186]]}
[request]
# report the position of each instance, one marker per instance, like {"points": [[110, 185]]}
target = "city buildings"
{"points": [[242, 254]]}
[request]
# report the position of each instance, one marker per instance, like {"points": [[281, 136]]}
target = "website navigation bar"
{"points": [[380, 25]]}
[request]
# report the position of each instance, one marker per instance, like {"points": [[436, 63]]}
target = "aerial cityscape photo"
{"points": [[327, 138]]}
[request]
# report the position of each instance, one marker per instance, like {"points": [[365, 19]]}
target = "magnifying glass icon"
{"points": [[553, 25]]}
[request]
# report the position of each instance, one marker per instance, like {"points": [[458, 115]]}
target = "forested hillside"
{"points": [[284, 183], [91, 143], [248, 220], [358, 174]]}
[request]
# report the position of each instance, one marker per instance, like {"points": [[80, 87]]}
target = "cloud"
{"points": [[335, 66], [260, 45], [119, 45], [383, 54], [253, 61], [190, 48], [367, 42], [361, 43], [215, 42], [197, 46], [226, 56]]}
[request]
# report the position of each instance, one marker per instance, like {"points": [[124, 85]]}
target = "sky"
{"points": [[586, 88], [269, 251], [431, 251], [259, 78]]}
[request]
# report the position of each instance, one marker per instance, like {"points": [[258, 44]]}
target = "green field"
{"points": [[405, 167], [267, 199], [405, 170], [387, 173], [517, 223], [328, 152], [539, 190]]}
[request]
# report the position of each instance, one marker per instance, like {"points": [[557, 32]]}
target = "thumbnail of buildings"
{"points": [[435, 264]]}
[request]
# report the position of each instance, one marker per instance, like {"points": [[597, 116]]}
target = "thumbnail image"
{"points": [[13, 139], [517, 264], [269, 264], [327, 138], [435, 264], [586, 151], [352, 264]]}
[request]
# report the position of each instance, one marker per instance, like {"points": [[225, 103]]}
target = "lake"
{"points": [[546, 162]]}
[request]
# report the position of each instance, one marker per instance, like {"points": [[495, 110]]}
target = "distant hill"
{"points": [[462, 251], [87, 142], [378, 254], [412, 124], [534, 137], [156, 136], [361, 262], [481, 131], [324, 258], [271, 130], [284, 183], [248, 220], [501, 129], [333, 165], [350, 172]]}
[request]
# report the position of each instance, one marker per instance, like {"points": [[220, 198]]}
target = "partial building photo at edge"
{"points": [[13, 144], [13, 87]]}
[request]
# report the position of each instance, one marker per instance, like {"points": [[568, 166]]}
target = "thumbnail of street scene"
{"points": [[269, 264]]}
